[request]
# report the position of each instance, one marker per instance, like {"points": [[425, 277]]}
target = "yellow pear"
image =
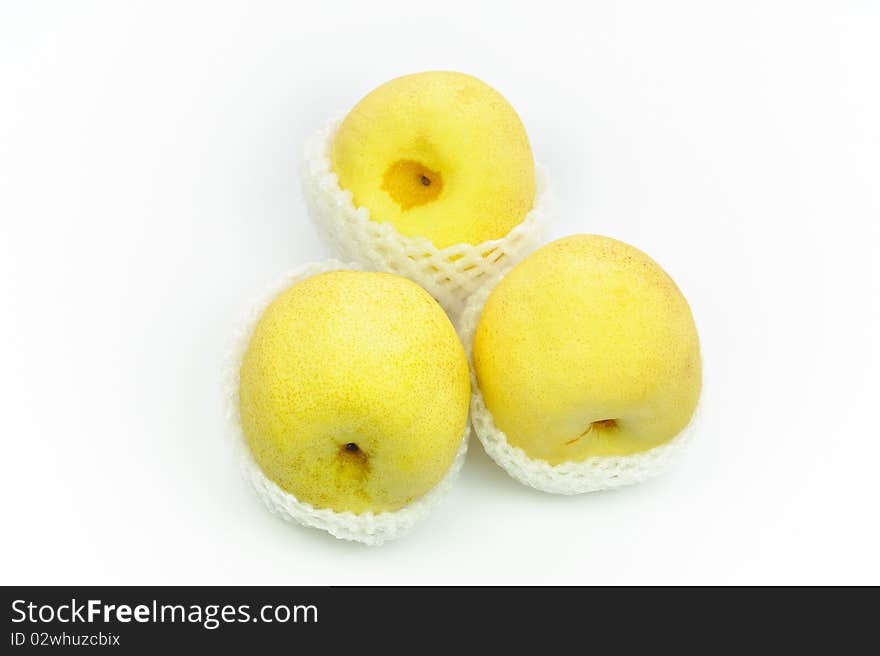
{"points": [[440, 155], [587, 348], [354, 391]]}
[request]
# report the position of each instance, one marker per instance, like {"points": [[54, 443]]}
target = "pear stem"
{"points": [[601, 424]]}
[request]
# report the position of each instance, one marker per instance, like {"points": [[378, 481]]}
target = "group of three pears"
{"points": [[355, 383]]}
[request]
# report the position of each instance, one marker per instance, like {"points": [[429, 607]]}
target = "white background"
{"points": [[149, 160]]}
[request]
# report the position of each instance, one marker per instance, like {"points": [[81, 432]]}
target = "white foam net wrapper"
{"points": [[589, 475], [368, 528], [449, 274]]}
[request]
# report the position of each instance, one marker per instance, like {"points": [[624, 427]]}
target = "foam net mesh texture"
{"points": [[449, 274], [368, 528], [589, 475]]}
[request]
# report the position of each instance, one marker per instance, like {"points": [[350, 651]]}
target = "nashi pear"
{"points": [[440, 155], [587, 348], [354, 391]]}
